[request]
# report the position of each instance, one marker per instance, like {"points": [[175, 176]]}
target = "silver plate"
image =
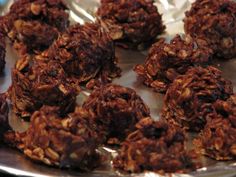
{"points": [[15, 163]]}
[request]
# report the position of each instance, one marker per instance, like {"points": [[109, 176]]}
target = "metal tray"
{"points": [[15, 163]]}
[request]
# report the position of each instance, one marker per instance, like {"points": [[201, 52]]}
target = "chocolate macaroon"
{"points": [[188, 102], [215, 21], [131, 24]]}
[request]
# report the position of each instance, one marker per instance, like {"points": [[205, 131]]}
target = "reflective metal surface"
{"points": [[14, 162]]}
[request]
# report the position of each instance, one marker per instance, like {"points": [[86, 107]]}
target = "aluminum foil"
{"points": [[15, 163]]}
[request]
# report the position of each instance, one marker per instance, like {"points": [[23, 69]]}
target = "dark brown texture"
{"points": [[166, 61], [32, 25], [4, 110], [156, 146], [2, 45], [39, 83], [67, 142], [85, 52], [117, 109], [131, 24], [2, 52], [216, 22], [218, 139], [227, 109], [189, 100]]}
